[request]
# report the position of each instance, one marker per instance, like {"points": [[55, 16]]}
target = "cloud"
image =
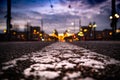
{"points": [[60, 16]]}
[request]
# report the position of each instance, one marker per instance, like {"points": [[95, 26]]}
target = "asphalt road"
{"points": [[90, 60], [11, 50], [108, 48]]}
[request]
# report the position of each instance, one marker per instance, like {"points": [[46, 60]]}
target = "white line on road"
{"points": [[52, 60]]}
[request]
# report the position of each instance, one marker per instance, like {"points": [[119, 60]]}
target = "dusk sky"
{"points": [[60, 16]]}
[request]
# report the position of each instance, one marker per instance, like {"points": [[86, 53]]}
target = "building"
{"points": [[99, 35], [107, 34]]}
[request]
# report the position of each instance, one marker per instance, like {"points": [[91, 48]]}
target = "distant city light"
{"points": [[94, 25], [14, 33], [4, 30], [85, 30], [80, 29], [37, 32], [40, 34], [72, 23], [43, 39], [81, 34], [90, 25], [110, 33], [34, 30], [118, 31]]}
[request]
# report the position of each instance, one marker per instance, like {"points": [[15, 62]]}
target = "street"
{"points": [[108, 48], [84, 60], [11, 50]]}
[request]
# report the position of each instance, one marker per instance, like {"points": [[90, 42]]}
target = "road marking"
{"points": [[50, 62]]}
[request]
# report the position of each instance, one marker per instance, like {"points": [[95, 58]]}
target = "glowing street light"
{"points": [[72, 23], [85, 30], [116, 15], [111, 17], [4, 30], [94, 26], [114, 18], [90, 25], [81, 34]]}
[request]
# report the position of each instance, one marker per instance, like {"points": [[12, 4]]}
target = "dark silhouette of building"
{"points": [[98, 35], [107, 34]]}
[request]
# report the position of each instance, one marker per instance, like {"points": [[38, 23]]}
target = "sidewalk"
{"points": [[62, 61]]}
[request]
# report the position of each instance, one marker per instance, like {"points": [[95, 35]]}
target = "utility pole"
{"points": [[9, 26], [113, 24]]}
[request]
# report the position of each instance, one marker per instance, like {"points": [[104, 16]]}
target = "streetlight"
{"points": [[111, 17], [73, 24], [114, 18], [93, 26], [4, 30], [90, 24], [116, 15]]}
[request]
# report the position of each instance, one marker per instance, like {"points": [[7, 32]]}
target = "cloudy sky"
{"points": [[60, 16]]}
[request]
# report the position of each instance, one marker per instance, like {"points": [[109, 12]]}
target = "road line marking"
{"points": [[62, 56]]}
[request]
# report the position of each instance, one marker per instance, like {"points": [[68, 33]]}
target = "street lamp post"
{"points": [[73, 24], [114, 18], [93, 29], [9, 26], [90, 25]]}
